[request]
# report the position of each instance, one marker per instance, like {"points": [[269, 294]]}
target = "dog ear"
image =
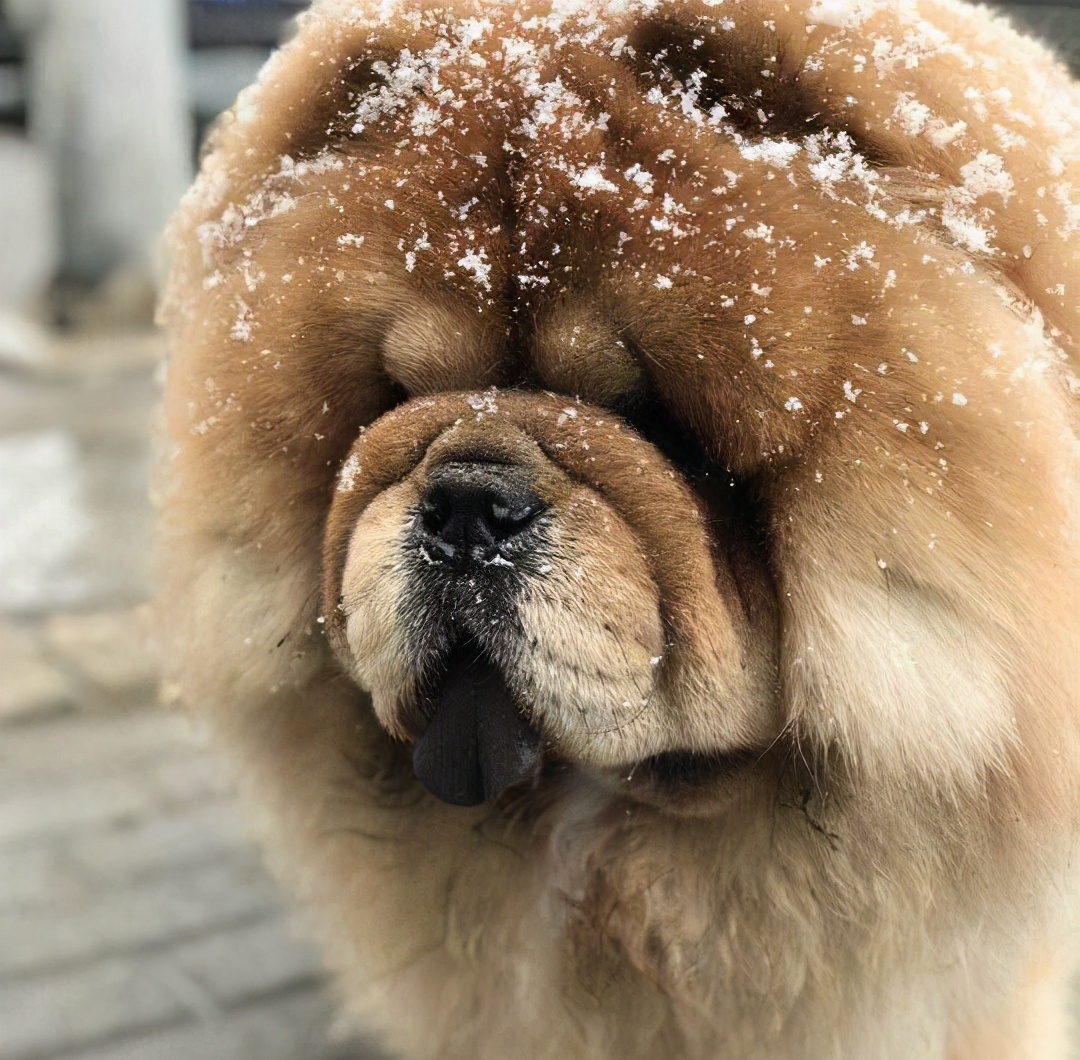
{"points": [[900, 88], [307, 100], [740, 62]]}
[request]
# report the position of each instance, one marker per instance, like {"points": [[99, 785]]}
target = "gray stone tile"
{"points": [[86, 747], [154, 914], [50, 814], [68, 800], [109, 652], [88, 1005], [75, 457], [291, 1028], [36, 875], [136, 921], [161, 843], [262, 959], [32, 686]]}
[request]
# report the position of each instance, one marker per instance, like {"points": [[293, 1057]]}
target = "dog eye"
{"points": [[656, 425]]}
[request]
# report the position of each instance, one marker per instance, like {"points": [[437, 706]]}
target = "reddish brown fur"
{"points": [[892, 631]]}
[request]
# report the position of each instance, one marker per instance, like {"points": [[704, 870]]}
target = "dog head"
{"points": [[653, 424], [634, 394]]}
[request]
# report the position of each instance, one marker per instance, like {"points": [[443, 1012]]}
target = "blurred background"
{"points": [[136, 921]]}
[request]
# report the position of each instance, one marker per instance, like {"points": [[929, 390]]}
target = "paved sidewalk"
{"points": [[136, 919]]}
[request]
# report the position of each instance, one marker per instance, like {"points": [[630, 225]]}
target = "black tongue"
{"points": [[477, 744]]}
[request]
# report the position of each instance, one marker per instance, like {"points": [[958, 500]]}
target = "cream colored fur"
{"points": [[428, 235]]}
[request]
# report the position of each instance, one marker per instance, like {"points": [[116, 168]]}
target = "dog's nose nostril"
{"points": [[505, 521], [476, 506], [433, 514]]}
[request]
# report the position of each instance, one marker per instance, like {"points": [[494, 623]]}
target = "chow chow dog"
{"points": [[620, 516]]}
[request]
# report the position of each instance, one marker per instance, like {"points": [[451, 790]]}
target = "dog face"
{"points": [[542, 549], [657, 361], [653, 426]]}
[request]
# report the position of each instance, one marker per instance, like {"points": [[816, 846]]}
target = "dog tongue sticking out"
{"points": [[477, 744]]}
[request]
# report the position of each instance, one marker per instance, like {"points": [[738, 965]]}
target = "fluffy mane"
{"points": [[838, 243]]}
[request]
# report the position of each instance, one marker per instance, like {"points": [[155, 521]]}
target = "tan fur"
{"points": [[477, 232]]}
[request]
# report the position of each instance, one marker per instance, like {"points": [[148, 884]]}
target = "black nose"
{"points": [[470, 510]]}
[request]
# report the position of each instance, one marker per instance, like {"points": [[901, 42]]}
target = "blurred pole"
{"points": [[108, 103], [30, 249]]}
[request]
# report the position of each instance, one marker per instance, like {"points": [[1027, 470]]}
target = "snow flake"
{"points": [[843, 14], [642, 178], [593, 179], [243, 324], [986, 173], [347, 476], [912, 115], [964, 226], [862, 252], [777, 153], [483, 404], [475, 261]]}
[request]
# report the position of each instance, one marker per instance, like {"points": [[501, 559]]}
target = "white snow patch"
{"points": [[941, 135], [44, 521], [964, 226], [475, 261], [985, 174], [593, 179], [862, 252], [483, 403], [777, 153], [844, 14], [912, 115], [242, 325], [640, 177], [347, 476]]}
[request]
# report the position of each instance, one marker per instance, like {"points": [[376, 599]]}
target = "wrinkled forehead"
{"points": [[526, 198], [522, 149], [677, 201]]}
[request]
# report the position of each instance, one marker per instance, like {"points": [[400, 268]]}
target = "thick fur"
{"points": [[776, 305]]}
